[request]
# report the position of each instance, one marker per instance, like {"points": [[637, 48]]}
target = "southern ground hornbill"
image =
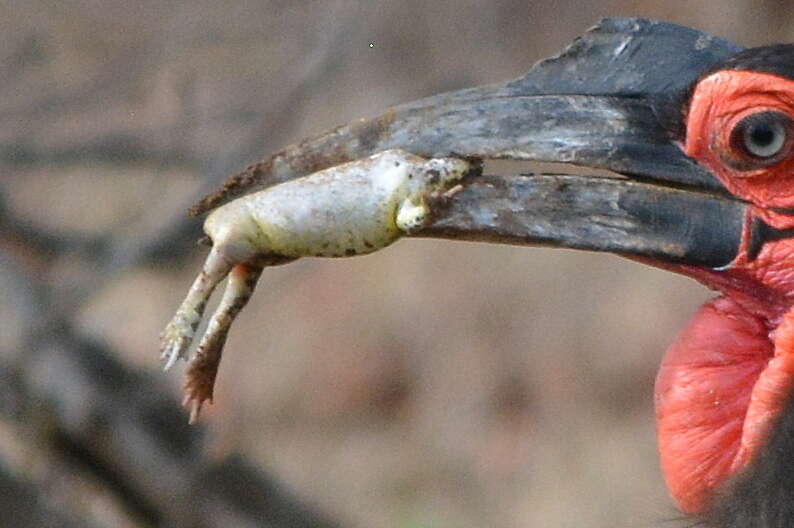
{"points": [[698, 134]]}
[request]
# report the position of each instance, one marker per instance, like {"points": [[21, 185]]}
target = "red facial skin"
{"points": [[726, 377]]}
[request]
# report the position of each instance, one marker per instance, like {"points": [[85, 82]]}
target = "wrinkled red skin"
{"points": [[729, 372]]}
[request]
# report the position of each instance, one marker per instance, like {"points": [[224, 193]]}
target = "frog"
{"points": [[351, 209]]}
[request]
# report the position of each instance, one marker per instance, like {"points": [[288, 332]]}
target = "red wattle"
{"points": [[715, 394]]}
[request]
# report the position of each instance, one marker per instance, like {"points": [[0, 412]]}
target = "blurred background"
{"points": [[433, 384]]}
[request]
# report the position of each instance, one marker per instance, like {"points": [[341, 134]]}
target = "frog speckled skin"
{"points": [[351, 209]]}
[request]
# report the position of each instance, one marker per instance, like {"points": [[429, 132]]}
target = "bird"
{"points": [[698, 133]]}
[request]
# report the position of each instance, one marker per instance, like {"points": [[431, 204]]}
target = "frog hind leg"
{"points": [[178, 334], [203, 368]]}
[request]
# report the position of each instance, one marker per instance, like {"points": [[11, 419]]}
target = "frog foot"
{"points": [[177, 336]]}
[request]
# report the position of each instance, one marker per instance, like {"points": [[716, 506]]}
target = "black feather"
{"points": [[761, 496], [776, 59]]}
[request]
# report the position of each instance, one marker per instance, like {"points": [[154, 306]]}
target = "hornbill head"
{"points": [[698, 134]]}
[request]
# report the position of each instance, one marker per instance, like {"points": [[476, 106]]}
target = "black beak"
{"points": [[613, 100]]}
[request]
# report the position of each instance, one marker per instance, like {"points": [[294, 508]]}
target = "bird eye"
{"points": [[763, 139]]}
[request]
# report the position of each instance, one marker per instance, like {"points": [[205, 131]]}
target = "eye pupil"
{"points": [[761, 135]]}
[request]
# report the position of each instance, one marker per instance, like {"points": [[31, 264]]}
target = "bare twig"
{"points": [[23, 506], [128, 431]]}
